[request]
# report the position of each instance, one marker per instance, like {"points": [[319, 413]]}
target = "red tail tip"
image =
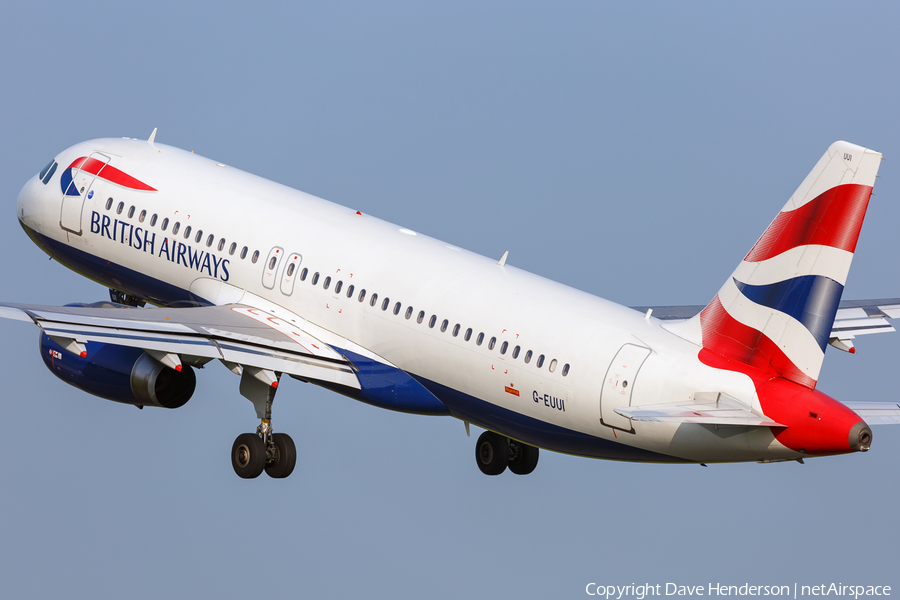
{"points": [[852, 350], [83, 354], [178, 368], [275, 384]]}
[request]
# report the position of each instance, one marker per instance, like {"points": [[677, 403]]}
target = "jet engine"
{"points": [[120, 373]]}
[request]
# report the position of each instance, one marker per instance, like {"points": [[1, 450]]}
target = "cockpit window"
{"points": [[47, 173], [45, 169]]}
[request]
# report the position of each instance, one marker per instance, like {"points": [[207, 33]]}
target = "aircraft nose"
{"points": [[26, 195], [34, 198], [860, 437]]}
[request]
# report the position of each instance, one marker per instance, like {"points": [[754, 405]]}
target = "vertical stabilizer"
{"points": [[776, 310]]}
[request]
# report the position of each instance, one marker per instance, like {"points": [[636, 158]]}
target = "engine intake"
{"points": [[120, 373]]}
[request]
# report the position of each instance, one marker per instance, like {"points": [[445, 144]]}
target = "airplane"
{"points": [[271, 281]]}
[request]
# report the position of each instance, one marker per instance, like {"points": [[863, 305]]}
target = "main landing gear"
{"points": [[253, 453], [494, 453]]}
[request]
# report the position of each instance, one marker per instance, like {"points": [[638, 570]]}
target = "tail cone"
{"points": [[860, 437]]}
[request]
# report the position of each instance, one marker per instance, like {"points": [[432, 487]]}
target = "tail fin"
{"points": [[776, 310]]}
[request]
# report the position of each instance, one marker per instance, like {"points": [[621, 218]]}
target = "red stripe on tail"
{"points": [[832, 219], [728, 337]]}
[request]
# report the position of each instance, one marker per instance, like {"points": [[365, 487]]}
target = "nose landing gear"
{"points": [[494, 453]]}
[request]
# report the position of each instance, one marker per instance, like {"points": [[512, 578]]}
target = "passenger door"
{"points": [[78, 190], [618, 385]]}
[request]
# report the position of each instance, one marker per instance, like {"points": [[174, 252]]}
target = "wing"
{"points": [[235, 334], [853, 318], [705, 409], [876, 413]]}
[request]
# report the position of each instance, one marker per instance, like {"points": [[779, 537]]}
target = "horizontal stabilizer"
{"points": [[853, 318], [724, 411], [876, 413]]}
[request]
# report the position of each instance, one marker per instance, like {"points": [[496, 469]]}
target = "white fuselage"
{"points": [[576, 333]]}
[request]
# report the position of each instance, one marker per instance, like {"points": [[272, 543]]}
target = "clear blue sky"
{"points": [[635, 151]]}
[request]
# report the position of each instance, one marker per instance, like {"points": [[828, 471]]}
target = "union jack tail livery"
{"points": [[776, 310]]}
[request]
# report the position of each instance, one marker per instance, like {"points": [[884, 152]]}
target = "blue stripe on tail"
{"points": [[811, 299]]}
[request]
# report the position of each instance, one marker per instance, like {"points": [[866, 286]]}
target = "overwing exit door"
{"points": [[619, 383]]}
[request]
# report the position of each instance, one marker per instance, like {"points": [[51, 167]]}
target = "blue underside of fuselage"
{"points": [[383, 386], [113, 275]]}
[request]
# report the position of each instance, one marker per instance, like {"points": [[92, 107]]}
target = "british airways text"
{"points": [[173, 250]]}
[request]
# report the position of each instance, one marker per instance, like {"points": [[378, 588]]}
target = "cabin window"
{"points": [[479, 339], [540, 361], [175, 228], [516, 351], [255, 257], [303, 274], [315, 279], [432, 321], [421, 317], [211, 239], [153, 221], [385, 304], [565, 370], [468, 335], [165, 223], [131, 212], [444, 325], [272, 262], [199, 236], [373, 299], [232, 248], [528, 357], [456, 330], [553, 365], [221, 244], [503, 347], [290, 269], [492, 343], [143, 216], [120, 208], [338, 286], [109, 202], [244, 252], [362, 295], [187, 232], [409, 310], [327, 283], [349, 291]]}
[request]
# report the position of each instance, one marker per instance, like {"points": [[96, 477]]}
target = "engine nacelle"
{"points": [[120, 373]]}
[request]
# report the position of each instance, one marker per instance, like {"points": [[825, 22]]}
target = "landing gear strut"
{"points": [[494, 452], [265, 450]]}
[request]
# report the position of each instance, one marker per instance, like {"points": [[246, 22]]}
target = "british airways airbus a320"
{"points": [[402, 321]]}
